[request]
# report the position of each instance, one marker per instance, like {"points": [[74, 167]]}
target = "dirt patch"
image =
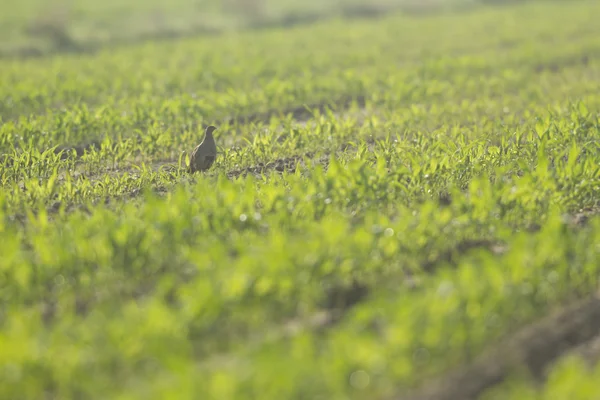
{"points": [[575, 60], [581, 218], [450, 255], [300, 113], [533, 348], [80, 149], [287, 164], [589, 351]]}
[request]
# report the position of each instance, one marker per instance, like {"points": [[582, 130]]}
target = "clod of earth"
{"points": [[205, 153]]}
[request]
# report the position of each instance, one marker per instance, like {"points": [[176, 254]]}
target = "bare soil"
{"points": [[533, 349]]}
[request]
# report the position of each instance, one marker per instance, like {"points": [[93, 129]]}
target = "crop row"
{"points": [[426, 164], [572, 378]]}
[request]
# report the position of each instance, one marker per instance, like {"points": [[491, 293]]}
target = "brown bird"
{"points": [[204, 155]]}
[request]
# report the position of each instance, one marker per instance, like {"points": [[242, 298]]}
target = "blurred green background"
{"points": [[35, 27]]}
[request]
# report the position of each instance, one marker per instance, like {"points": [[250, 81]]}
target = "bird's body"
{"points": [[205, 153]]}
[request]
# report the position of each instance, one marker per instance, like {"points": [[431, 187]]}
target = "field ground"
{"points": [[403, 207]]}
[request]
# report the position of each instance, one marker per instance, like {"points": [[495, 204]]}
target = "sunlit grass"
{"points": [[347, 251]]}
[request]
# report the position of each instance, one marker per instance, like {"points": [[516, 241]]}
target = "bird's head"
{"points": [[209, 130]]}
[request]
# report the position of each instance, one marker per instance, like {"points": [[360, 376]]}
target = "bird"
{"points": [[204, 155]]}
